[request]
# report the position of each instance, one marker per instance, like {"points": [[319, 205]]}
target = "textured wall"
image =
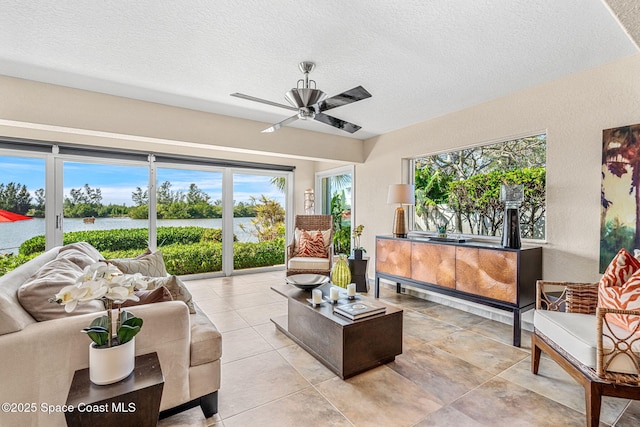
{"points": [[573, 111]]}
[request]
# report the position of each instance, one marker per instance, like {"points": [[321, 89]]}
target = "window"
{"points": [[460, 190]]}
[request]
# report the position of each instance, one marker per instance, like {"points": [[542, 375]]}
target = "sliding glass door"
{"points": [[335, 190], [259, 216], [22, 205]]}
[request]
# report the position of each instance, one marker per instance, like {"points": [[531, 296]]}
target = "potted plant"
{"points": [[111, 355], [357, 249]]}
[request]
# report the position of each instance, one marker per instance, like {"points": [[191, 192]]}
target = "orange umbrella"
{"points": [[6, 216]]}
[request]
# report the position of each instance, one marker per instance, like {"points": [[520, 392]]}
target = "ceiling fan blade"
{"points": [[281, 124], [263, 101], [336, 123], [356, 94]]}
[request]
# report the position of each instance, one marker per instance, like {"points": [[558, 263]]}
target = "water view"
{"points": [[12, 234]]}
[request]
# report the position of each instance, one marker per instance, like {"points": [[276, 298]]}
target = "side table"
{"points": [[358, 269], [134, 401]]}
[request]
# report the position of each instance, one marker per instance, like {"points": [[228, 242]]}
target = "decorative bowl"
{"points": [[307, 281]]}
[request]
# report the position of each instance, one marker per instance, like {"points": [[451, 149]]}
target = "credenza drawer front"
{"points": [[393, 257], [434, 263], [489, 273]]}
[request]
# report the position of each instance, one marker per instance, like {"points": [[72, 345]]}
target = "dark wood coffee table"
{"points": [[344, 346]]}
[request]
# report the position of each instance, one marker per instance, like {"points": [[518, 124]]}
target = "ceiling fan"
{"points": [[311, 103]]}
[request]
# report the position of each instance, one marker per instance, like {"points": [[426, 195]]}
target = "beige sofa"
{"points": [[38, 359]]}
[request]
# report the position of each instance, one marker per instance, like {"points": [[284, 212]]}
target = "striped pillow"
{"points": [[619, 289], [312, 245]]}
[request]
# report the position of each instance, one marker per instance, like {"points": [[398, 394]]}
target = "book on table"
{"points": [[358, 310]]}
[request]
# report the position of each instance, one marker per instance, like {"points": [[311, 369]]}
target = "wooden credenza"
{"points": [[475, 271]]}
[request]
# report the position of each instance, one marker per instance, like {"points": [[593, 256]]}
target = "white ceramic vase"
{"points": [[110, 365]]}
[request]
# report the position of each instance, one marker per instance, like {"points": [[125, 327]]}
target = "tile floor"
{"points": [[457, 369]]}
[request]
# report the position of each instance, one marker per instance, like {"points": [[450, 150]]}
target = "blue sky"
{"points": [[118, 182]]}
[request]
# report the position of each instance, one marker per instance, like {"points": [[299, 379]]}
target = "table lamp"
{"points": [[402, 194]]}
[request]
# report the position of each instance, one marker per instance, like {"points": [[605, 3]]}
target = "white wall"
{"points": [[573, 111]]}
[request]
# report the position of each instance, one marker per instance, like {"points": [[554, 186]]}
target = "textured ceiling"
{"points": [[419, 59]]}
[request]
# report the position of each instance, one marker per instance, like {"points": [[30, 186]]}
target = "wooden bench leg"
{"points": [[536, 353], [593, 402]]}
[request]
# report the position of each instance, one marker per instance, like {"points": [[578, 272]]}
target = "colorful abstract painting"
{"points": [[620, 196]]}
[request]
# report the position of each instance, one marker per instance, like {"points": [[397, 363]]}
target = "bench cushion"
{"points": [[575, 333], [308, 263]]}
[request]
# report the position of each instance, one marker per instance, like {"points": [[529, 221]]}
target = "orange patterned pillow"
{"points": [[622, 266], [625, 297], [312, 245], [619, 289]]}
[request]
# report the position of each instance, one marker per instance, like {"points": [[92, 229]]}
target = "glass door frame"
{"points": [[343, 170]]}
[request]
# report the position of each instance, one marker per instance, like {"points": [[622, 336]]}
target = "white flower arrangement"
{"points": [[103, 281]]}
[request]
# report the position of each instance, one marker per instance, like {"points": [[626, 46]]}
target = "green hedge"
{"points": [[129, 238], [180, 259]]}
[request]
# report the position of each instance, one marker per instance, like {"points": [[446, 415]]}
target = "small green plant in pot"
{"points": [[357, 249]]}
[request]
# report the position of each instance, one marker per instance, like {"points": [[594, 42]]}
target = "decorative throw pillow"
{"points": [[312, 245], [622, 266], [326, 237], [45, 283], [151, 265], [619, 289], [625, 297], [83, 247], [178, 290], [158, 294]]}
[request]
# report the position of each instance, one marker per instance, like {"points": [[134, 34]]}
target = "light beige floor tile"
{"points": [[254, 299], [379, 397], [631, 417], [191, 418], [449, 417], [255, 381], [306, 408], [553, 382], [481, 351], [272, 335], [452, 316], [211, 305], [425, 328], [310, 368], [242, 343], [499, 402], [226, 321], [443, 377], [263, 313], [501, 332]]}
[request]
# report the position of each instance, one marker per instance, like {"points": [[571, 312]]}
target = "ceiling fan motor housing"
{"points": [[306, 97]]}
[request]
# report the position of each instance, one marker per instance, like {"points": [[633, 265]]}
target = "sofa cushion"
{"points": [[35, 292], [82, 247], [308, 263], [576, 334], [151, 265], [206, 341], [178, 290], [159, 294]]}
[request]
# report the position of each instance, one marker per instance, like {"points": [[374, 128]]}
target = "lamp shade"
{"points": [[401, 193]]}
